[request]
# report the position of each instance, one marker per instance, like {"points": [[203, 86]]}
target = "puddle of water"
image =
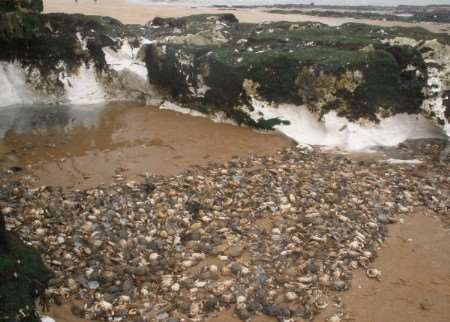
{"points": [[86, 146]]}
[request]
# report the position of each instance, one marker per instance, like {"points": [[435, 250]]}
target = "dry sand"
{"points": [[134, 13]]}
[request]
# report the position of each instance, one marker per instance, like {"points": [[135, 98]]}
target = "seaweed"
{"points": [[23, 276], [299, 63], [15, 5], [45, 41]]}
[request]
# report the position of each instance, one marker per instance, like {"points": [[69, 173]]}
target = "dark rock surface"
{"points": [[440, 15], [21, 5], [43, 41], [213, 63], [204, 61], [23, 276]]}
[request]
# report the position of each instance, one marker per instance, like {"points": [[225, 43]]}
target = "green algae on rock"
{"points": [[24, 278], [440, 15], [21, 5], [204, 60], [44, 41]]}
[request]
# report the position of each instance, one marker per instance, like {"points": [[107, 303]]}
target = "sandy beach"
{"points": [[152, 215], [134, 13]]}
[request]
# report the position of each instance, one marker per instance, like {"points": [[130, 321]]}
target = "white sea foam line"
{"points": [[335, 131], [217, 117]]}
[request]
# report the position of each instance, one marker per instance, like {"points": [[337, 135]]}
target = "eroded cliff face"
{"points": [[261, 75]]}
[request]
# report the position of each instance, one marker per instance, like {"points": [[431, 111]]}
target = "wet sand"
{"points": [[63, 314], [415, 280], [123, 141], [414, 286], [126, 141], [140, 14], [83, 148]]}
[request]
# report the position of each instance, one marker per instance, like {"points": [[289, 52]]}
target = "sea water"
{"points": [[316, 2]]}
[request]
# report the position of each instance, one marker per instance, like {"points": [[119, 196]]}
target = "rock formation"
{"points": [[23, 277], [21, 5], [213, 64]]}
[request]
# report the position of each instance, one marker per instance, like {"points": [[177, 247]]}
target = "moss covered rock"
{"points": [[23, 278], [21, 5], [204, 60], [46, 41]]}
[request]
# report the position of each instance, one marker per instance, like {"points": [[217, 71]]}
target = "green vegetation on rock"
{"points": [[351, 68], [23, 278], [203, 61], [46, 41], [21, 5], [441, 15]]}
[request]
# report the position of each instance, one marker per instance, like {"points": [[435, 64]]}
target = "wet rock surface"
{"points": [[439, 15], [49, 43], [214, 64], [21, 5], [24, 277], [272, 235]]}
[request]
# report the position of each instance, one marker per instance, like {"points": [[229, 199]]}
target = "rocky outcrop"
{"points": [[44, 42], [23, 276], [209, 63], [260, 75], [60, 58], [439, 15], [21, 5]]}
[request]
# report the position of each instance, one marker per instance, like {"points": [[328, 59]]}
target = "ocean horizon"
{"points": [[316, 2]]}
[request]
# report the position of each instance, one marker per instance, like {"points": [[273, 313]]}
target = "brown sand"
{"points": [[228, 316], [141, 14], [415, 285], [415, 281], [131, 140]]}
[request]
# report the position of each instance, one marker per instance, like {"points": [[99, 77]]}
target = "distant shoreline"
{"points": [[137, 13]]}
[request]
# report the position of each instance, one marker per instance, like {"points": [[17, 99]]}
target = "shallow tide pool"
{"points": [[83, 146]]}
